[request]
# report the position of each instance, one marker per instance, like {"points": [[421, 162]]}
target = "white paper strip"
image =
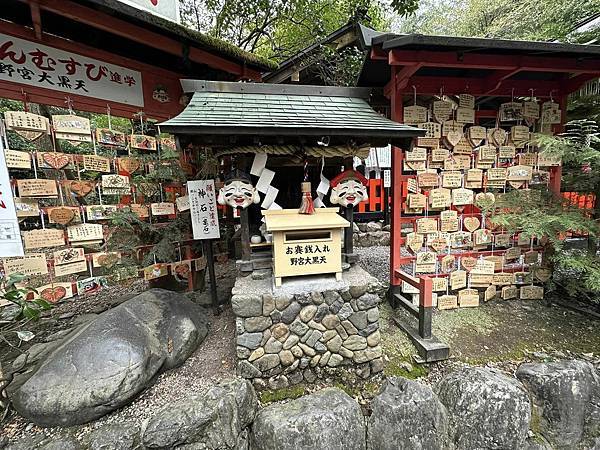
{"points": [[274, 206], [259, 163], [264, 181], [323, 187], [269, 197]]}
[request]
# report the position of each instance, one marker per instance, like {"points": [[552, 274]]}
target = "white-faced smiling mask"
{"points": [[348, 192], [238, 194]]}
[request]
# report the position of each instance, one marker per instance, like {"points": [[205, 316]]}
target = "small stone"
{"points": [[330, 297], [331, 321], [373, 226], [358, 291], [385, 239], [345, 311], [355, 228], [273, 346], [314, 337], [322, 311], [265, 337], [377, 365], [256, 354], [307, 313], [246, 305], [298, 327], [368, 354], [328, 335], [374, 339], [278, 382], [334, 344], [363, 370], [308, 351], [297, 351], [257, 323], [373, 315], [309, 376], [295, 377], [335, 360], [346, 295], [286, 357], [261, 274], [289, 314], [346, 353], [342, 331], [315, 360], [316, 297], [259, 384], [249, 340], [268, 304], [369, 329], [320, 347], [355, 342], [266, 362], [292, 340], [303, 299], [350, 329], [316, 325], [367, 301], [247, 370], [359, 320], [336, 306], [239, 325], [283, 301], [304, 338], [243, 352], [304, 362], [406, 366], [325, 359], [280, 331], [276, 316]]}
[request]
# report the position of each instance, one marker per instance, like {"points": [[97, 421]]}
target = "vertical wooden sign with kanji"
{"points": [[203, 209]]}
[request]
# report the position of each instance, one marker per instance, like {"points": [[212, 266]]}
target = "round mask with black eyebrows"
{"points": [[348, 192], [238, 194]]}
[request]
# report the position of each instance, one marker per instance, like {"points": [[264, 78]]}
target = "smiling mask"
{"points": [[349, 188], [238, 191]]}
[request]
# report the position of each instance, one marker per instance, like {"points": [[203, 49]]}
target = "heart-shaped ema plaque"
{"points": [[471, 223], [476, 135], [484, 200], [61, 215], [81, 188], [468, 263], [129, 165], [438, 244], [56, 160], [53, 294], [454, 137], [497, 136]]}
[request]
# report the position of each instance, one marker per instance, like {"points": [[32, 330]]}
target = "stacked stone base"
{"points": [[371, 234], [286, 338]]}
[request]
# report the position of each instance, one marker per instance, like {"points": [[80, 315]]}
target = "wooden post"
{"points": [[210, 261], [245, 236], [396, 190], [425, 307], [348, 232]]}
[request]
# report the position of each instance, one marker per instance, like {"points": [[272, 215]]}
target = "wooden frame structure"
{"points": [[487, 69]]}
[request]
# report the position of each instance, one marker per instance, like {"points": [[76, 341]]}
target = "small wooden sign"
{"points": [[142, 142], [483, 236], [477, 134], [451, 179], [461, 239], [415, 114], [453, 138], [465, 115], [439, 154], [512, 253], [462, 197], [458, 279], [480, 279], [497, 260], [519, 134], [545, 159], [409, 288], [502, 240], [507, 152], [439, 284], [28, 265], [468, 263], [528, 159], [181, 270], [53, 160], [417, 154], [414, 241], [485, 200], [503, 279], [496, 173], [523, 239], [531, 292], [411, 185], [438, 244], [142, 211], [449, 224], [128, 165], [95, 163], [484, 266], [72, 128], [162, 209], [63, 214], [37, 187], [519, 173], [426, 262], [451, 126], [85, 233], [100, 212], [442, 110], [428, 142], [55, 292], [490, 293], [22, 120], [511, 111], [183, 203], [26, 207], [426, 225], [115, 184], [471, 223], [474, 175], [448, 263], [432, 130], [70, 268], [466, 101], [531, 110], [68, 255], [486, 153], [497, 136], [106, 136], [48, 237], [468, 298], [156, 271], [542, 274], [440, 198], [428, 179], [531, 257], [81, 188], [105, 259], [447, 302], [509, 292], [17, 160]]}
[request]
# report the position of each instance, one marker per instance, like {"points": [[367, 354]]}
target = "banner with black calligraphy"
{"points": [[203, 209]]}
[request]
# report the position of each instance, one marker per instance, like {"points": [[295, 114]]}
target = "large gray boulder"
{"points": [[407, 415], [486, 409], [566, 399], [329, 420], [214, 420], [102, 366]]}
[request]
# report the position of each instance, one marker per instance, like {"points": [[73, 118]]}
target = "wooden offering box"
{"points": [[306, 244]]}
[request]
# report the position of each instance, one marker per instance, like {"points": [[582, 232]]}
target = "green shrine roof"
{"points": [[224, 108]]}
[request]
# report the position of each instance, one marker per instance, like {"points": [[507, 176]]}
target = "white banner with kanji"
{"points": [[46, 67], [203, 209]]}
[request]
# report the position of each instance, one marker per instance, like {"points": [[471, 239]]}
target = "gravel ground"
{"points": [[376, 261]]}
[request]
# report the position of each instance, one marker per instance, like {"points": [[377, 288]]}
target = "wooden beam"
{"points": [[476, 86], [36, 19], [505, 62], [378, 53], [404, 75], [576, 82], [124, 29], [495, 80]]}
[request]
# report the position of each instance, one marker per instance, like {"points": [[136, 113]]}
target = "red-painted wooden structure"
{"points": [[491, 70]]}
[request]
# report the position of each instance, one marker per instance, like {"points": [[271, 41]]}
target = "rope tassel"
{"points": [[306, 206]]}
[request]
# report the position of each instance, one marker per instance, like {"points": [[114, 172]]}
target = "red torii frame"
{"points": [[404, 64]]}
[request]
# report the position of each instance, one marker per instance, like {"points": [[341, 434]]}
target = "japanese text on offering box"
{"points": [[309, 254]]}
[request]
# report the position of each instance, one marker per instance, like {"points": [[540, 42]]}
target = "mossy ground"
{"points": [[277, 395]]}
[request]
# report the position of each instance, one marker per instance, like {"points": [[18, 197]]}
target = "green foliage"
{"points": [[22, 309], [281, 394], [580, 270]]}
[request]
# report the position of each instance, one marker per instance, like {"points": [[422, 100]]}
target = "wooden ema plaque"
{"points": [[440, 198], [432, 130], [451, 179], [509, 292], [417, 154], [426, 225], [72, 128], [415, 114], [465, 115], [70, 268], [428, 179], [162, 209], [17, 160], [439, 284], [28, 265], [63, 214], [37, 188], [531, 293], [490, 293], [425, 262], [85, 233], [48, 237], [447, 302], [53, 160], [503, 279], [468, 298], [458, 279], [95, 163], [442, 110]]}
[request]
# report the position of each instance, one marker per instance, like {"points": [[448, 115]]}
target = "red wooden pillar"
{"points": [[556, 172], [396, 190]]}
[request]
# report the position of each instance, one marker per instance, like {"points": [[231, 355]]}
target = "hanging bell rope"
{"points": [[306, 206]]}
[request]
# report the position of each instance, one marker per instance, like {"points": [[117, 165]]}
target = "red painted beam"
{"points": [[404, 75], [478, 86], [141, 35], [576, 82], [378, 53], [495, 80], [506, 62]]}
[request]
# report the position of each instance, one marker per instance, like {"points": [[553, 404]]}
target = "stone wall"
{"points": [[371, 234], [547, 406], [301, 332]]}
